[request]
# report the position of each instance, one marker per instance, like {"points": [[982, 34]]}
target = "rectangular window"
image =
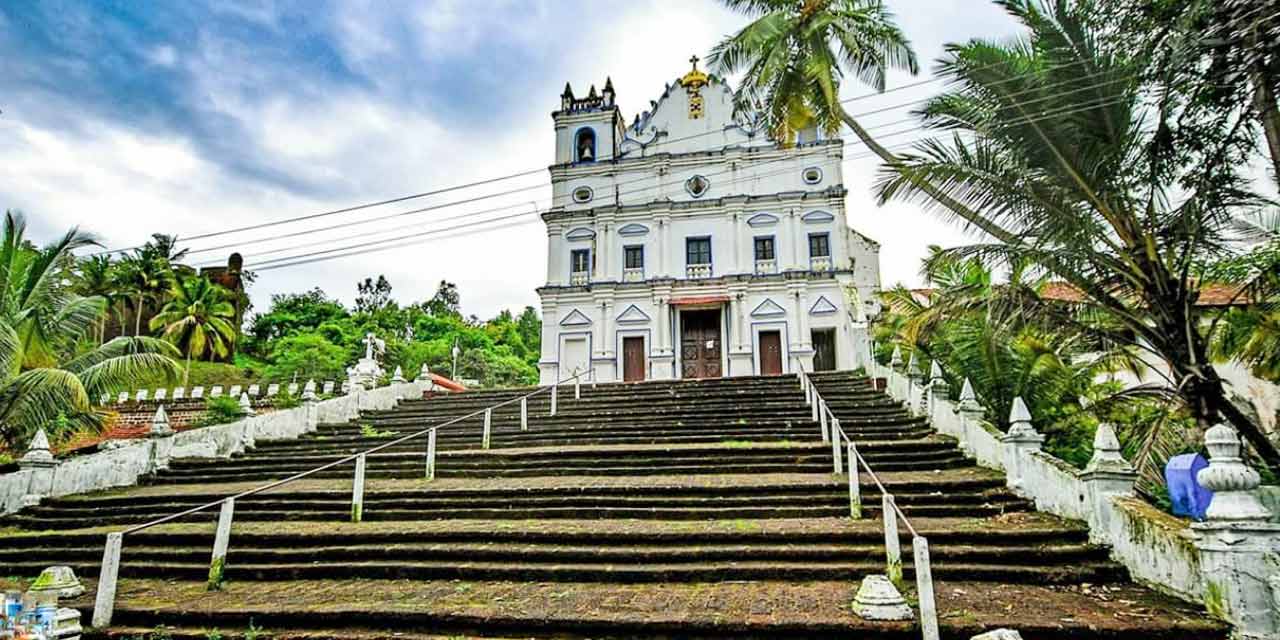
{"points": [[764, 248], [819, 245], [633, 257], [698, 251], [580, 260]]}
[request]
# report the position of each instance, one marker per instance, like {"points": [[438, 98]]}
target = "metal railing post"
{"points": [[431, 455], [892, 546], [924, 589], [855, 490], [577, 387], [488, 428], [815, 408], [822, 414], [221, 540], [104, 604], [524, 413], [836, 450], [553, 398], [357, 490]]}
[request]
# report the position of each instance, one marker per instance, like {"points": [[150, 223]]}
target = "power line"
{"points": [[376, 246], [542, 186], [495, 180]]}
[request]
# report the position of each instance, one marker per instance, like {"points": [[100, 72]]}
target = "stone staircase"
{"points": [[714, 501]]}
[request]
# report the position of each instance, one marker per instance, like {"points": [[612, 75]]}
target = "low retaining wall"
{"points": [[1221, 564], [132, 459]]}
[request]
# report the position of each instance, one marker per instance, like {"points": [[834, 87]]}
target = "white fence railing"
{"points": [[104, 603], [844, 449]]}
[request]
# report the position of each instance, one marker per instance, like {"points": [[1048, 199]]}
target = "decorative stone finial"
{"points": [[38, 453], [309, 391], [246, 407], [398, 376], [160, 427], [1106, 452], [969, 399], [424, 373], [895, 360], [878, 599], [1233, 483], [935, 370], [938, 384], [1020, 421], [59, 580], [913, 367]]}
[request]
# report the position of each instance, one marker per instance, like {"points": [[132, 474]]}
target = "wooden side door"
{"points": [[824, 349], [770, 353], [633, 359]]}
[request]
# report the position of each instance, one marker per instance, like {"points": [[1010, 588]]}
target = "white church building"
{"points": [[689, 245]]}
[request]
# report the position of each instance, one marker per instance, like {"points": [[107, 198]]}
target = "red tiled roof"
{"points": [[693, 300]]}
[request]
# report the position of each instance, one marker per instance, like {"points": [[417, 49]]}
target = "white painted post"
{"points": [[488, 428], [357, 490], [822, 414], [816, 409], [924, 589], [577, 387], [892, 546], [221, 540], [104, 604], [524, 413], [836, 450], [553, 398], [431, 454], [855, 490]]}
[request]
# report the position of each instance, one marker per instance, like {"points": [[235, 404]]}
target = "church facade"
{"points": [[687, 244]]}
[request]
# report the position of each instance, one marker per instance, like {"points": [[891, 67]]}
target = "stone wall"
{"points": [[133, 459], [1226, 564]]}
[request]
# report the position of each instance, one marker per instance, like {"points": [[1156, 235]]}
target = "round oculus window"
{"points": [[812, 175], [697, 186], [583, 194]]}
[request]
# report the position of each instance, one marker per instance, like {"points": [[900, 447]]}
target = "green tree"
{"points": [[42, 375], [198, 319], [1119, 200], [794, 55], [144, 278], [95, 278], [306, 356]]}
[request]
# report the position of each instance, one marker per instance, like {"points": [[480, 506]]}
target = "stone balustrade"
{"points": [[1230, 563], [254, 391]]}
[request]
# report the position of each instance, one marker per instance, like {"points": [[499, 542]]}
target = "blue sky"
{"points": [[192, 117]]}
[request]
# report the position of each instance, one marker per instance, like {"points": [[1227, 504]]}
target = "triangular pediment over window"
{"points": [[633, 230], [762, 220], [768, 309], [632, 315], [816, 217], [575, 319], [822, 306], [581, 233]]}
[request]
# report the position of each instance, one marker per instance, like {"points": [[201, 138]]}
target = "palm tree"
{"points": [[96, 278], [795, 54], [42, 375], [146, 276], [1115, 199], [198, 319]]}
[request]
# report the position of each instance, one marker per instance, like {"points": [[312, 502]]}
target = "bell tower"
{"points": [[588, 129]]}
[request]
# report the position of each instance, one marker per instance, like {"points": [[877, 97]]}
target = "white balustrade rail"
{"points": [[108, 576], [844, 448]]}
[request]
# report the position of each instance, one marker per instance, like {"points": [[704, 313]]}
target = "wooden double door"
{"points": [[700, 344]]}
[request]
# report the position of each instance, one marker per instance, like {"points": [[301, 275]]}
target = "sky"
{"points": [[196, 118]]}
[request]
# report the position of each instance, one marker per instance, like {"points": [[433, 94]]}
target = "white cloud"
{"points": [[163, 56], [369, 144]]}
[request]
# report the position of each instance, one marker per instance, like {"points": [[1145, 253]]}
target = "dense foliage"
{"points": [[51, 362], [309, 335]]}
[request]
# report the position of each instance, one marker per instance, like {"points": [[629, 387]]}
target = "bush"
{"points": [[308, 356], [286, 401], [221, 410]]}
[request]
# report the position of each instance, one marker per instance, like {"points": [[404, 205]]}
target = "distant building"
{"points": [[690, 245], [231, 278]]}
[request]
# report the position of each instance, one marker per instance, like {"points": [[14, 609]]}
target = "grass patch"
{"points": [[369, 431]]}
